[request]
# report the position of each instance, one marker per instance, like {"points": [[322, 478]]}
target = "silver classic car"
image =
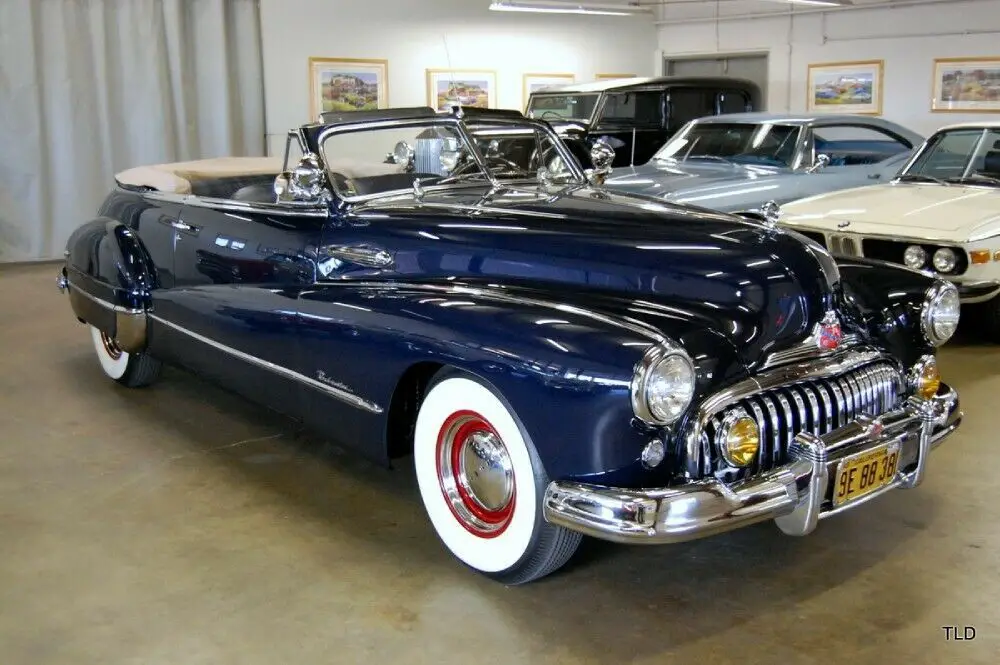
{"points": [[737, 162]]}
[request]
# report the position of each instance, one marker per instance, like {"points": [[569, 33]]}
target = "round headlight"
{"points": [[663, 385], [738, 438], [925, 378], [944, 260], [915, 257], [940, 313]]}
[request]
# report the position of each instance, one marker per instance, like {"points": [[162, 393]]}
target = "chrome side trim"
{"points": [[74, 288], [343, 395], [287, 209]]}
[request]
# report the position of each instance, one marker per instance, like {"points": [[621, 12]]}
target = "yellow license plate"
{"points": [[865, 473]]}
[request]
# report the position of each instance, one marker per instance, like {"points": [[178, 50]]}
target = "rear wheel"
{"points": [[482, 483], [129, 369]]}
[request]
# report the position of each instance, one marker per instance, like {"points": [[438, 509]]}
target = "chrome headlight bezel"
{"points": [[931, 309], [654, 358]]}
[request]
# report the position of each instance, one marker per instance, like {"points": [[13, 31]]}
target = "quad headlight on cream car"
{"points": [[662, 385], [940, 313]]}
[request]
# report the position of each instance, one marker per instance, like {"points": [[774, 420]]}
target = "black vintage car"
{"points": [[558, 359], [636, 116]]}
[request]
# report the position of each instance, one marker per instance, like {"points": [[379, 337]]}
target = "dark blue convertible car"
{"points": [[559, 359]]}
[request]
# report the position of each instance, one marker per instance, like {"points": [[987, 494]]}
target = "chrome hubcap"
{"points": [[476, 474], [111, 347]]}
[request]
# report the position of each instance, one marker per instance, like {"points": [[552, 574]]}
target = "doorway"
{"points": [[752, 66]]}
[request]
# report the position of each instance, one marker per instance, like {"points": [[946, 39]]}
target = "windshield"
{"points": [[562, 107], [959, 155], [737, 142], [384, 159]]}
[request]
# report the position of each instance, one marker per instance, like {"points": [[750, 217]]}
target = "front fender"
{"points": [[888, 299], [564, 366], [110, 277]]}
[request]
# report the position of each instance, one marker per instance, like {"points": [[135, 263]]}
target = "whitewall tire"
{"points": [[129, 369], [481, 482]]}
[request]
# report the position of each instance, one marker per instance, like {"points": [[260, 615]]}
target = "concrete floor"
{"points": [[181, 525]]}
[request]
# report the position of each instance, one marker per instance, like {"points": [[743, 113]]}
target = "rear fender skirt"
{"points": [[110, 277]]}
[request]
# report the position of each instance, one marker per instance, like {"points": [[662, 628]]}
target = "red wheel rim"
{"points": [[476, 474], [111, 347]]}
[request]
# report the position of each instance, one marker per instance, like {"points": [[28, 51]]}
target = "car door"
{"points": [[231, 313]]}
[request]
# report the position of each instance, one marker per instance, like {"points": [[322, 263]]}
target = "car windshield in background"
{"points": [[959, 156], [562, 107], [389, 159], [743, 143]]}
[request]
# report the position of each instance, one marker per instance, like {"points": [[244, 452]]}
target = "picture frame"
{"points": [[966, 85], [347, 84], [471, 87], [845, 87], [614, 76], [532, 82]]}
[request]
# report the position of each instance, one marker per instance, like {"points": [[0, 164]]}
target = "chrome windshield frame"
{"points": [[458, 122]]}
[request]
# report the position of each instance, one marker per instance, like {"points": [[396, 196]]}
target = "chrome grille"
{"points": [[818, 406]]}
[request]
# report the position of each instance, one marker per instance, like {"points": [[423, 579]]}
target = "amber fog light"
{"points": [[925, 378], [738, 439]]}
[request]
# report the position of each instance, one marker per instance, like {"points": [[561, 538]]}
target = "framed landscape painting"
{"points": [[534, 82], [845, 87], [347, 84], [467, 87], [966, 85]]}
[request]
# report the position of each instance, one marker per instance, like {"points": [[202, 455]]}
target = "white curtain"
{"points": [[91, 87]]}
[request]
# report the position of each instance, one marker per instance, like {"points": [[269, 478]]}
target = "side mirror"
{"points": [[822, 161], [602, 156]]}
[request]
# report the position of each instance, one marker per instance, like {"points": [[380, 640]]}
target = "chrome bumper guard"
{"points": [[795, 495]]}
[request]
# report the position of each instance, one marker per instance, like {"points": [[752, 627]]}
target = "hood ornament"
{"points": [[771, 212], [844, 224], [830, 334]]}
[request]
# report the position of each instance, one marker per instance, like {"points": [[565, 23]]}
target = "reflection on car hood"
{"points": [[673, 266], [696, 182], [924, 210]]}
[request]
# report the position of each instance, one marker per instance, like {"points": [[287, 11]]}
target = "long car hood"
{"points": [[672, 266], [694, 182], [924, 210]]}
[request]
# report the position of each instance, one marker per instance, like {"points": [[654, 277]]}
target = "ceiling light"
{"points": [[821, 3], [568, 8]]}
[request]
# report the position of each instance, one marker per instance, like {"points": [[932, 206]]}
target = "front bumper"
{"points": [[796, 495], [976, 292]]}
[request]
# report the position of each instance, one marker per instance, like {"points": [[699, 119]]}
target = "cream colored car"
{"points": [[940, 214]]}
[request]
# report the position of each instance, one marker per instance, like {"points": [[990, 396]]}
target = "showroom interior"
{"points": [[308, 361]]}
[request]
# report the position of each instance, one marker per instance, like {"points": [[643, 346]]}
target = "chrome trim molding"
{"points": [[74, 288], [793, 495], [808, 349], [343, 395], [287, 208]]}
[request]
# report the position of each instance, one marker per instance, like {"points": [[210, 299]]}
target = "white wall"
{"points": [[908, 39], [410, 35]]}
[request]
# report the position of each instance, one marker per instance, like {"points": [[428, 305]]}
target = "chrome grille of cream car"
{"points": [[818, 406]]}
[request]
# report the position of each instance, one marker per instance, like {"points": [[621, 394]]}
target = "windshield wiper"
{"points": [[920, 177], [977, 177]]}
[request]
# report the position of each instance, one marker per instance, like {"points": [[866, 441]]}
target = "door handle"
{"points": [[333, 256], [182, 226]]}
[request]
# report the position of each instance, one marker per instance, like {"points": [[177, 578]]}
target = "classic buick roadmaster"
{"points": [[560, 360], [939, 215]]}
